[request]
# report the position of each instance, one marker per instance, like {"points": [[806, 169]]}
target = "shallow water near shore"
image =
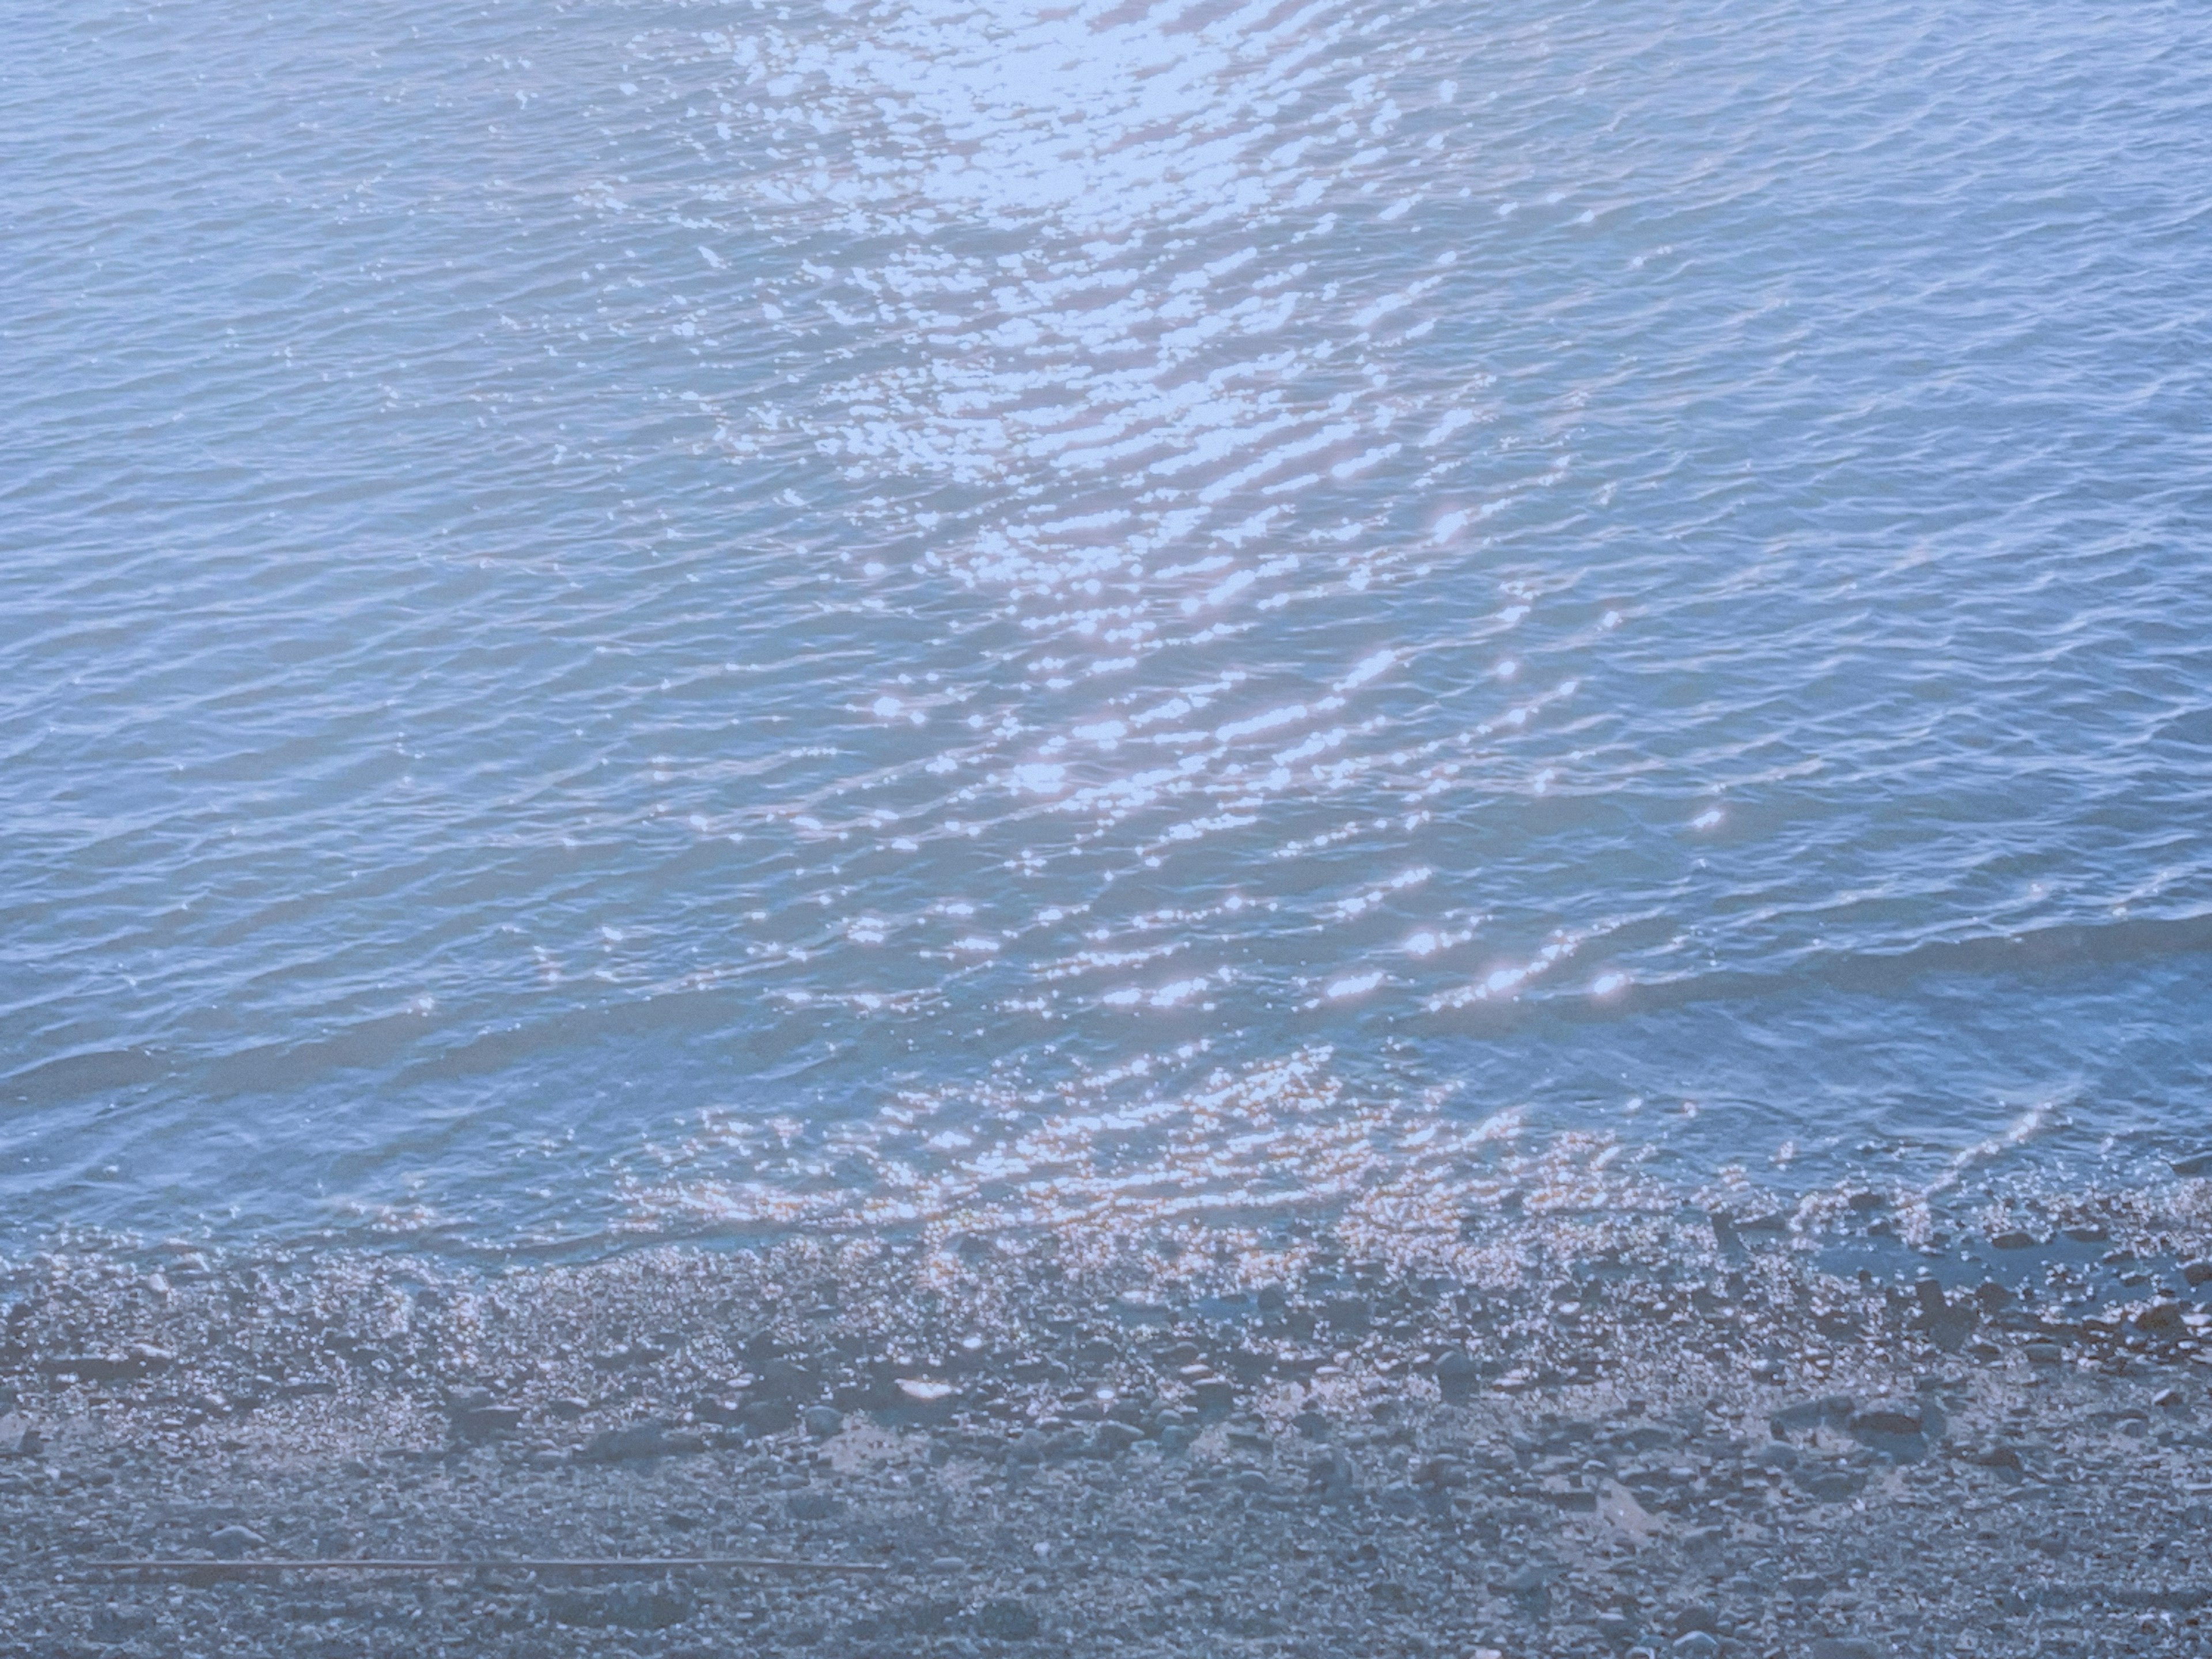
{"points": [[651, 621]]}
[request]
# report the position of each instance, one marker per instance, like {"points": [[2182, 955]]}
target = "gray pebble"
{"points": [[233, 1541]]}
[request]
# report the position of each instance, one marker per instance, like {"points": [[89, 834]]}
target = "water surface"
{"points": [[632, 619]]}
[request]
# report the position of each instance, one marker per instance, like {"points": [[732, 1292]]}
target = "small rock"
{"points": [[823, 1422], [1842, 1647], [1006, 1621], [1347, 1313], [1214, 1394], [639, 1440], [812, 1505], [2196, 1163], [233, 1541], [1894, 1418], [783, 1379], [2166, 1397], [483, 1422], [2013, 1239], [1698, 1616], [1698, 1644], [1115, 1437], [2196, 1272], [770, 1416], [1333, 1478], [1458, 1377]]}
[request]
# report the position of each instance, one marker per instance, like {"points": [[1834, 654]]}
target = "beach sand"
{"points": [[1131, 1452]]}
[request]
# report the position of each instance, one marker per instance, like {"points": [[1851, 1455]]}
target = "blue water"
{"points": [[628, 620]]}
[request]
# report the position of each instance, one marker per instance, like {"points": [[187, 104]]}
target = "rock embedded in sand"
{"points": [[1005, 1621], [1458, 1377], [1894, 1419], [646, 1439]]}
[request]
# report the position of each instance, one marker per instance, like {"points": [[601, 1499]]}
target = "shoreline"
{"points": [[1119, 1452]]}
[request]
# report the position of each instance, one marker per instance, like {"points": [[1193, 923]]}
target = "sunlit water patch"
{"points": [[710, 619]]}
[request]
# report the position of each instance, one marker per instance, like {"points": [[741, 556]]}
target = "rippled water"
{"points": [[686, 617]]}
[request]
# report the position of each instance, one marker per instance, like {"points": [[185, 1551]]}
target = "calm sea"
{"points": [[658, 619]]}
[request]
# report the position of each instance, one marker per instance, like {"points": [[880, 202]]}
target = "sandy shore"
{"points": [[1736, 1455]]}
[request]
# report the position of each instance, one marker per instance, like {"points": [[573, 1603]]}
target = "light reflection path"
{"points": [[1111, 359]]}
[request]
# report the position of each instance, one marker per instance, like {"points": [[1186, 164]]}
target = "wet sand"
{"points": [[1317, 1454]]}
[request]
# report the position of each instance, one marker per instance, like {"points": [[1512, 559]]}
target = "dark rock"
{"points": [[1891, 1417], [823, 1422], [1112, 1437], [134, 1362], [483, 1422], [1842, 1647], [1347, 1313], [1458, 1377], [1333, 1478], [1836, 1409], [2196, 1163], [812, 1506], [637, 1354], [1617, 1628], [1531, 1586], [1445, 1471], [1213, 1394], [1828, 1484], [2013, 1239], [1006, 1621], [233, 1541], [2196, 1272], [785, 1379], [768, 1416], [1701, 1616], [639, 1440]]}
